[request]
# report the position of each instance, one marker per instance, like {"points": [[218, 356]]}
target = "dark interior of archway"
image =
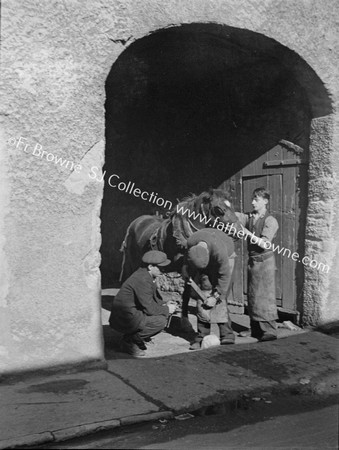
{"points": [[186, 108]]}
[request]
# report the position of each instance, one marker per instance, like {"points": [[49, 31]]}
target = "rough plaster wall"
{"points": [[330, 313], [56, 57], [55, 69], [320, 242]]}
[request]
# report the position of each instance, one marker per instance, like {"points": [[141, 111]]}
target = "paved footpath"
{"points": [[62, 406]]}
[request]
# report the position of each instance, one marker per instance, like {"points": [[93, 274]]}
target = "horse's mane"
{"points": [[193, 200], [188, 198]]}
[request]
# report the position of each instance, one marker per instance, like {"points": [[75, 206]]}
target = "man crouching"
{"points": [[138, 310]]}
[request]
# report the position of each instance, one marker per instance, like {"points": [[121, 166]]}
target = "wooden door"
{"points": [[281, 170]]}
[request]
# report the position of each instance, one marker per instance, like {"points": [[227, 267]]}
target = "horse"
{"points": [[169, 234]]}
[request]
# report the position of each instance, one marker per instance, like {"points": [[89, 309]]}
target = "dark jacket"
{"points": [[221, 248], [137, 298]]}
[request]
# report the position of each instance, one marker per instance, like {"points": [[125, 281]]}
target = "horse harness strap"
{"points": [[192, 227]]}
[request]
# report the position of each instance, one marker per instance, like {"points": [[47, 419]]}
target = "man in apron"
{"points": [[261, 228], [210, 261]]}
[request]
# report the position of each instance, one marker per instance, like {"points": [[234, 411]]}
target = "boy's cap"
{"points": [[156, 258]]}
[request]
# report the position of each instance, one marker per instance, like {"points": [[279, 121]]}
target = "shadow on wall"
{"points": [[331, 328], [186, 108]]}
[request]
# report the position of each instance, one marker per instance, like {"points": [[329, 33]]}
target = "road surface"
{"points": [[272, 422]]}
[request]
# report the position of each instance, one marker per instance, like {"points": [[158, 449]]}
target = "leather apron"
{"points": [[261, 292], [219, 313]]}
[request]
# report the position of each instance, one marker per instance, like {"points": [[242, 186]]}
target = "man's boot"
{"points": [[226, 334], [138, 340], [128, 346], [204, 329]]}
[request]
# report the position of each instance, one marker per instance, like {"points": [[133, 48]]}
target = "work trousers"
{"points": [[204, 329], [261, 328], [262, 305], [151, 326]]}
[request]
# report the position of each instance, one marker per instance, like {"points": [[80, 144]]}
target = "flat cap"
{"points": [[156, 258], [198, 256]]}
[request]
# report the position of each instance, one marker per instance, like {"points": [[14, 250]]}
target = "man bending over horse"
{"points": [[138, 310], [210, 260]]}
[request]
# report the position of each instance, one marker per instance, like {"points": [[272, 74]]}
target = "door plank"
{"points": [[284, 183], [290, 237]]}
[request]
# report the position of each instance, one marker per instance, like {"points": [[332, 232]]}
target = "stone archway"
{"points": [[55, 72], [57, 58], [188, 106]]}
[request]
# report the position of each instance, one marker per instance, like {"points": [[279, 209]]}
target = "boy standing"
{"points": [[261, 228]]}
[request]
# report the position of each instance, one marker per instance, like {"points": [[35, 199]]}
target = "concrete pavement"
{"points": [[62, 406]]}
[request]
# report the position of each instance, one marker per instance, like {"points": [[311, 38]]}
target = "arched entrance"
{"points": [[197, 105]]}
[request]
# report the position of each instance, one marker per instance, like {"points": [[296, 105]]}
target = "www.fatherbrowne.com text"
{"points": [[152, 197], [242, 234]]}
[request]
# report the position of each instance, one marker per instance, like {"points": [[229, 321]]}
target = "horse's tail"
{"points": [[123, 249]]}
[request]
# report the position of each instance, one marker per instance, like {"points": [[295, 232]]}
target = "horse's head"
{"points": [[207, 209], [215, 202], [220, 207]]}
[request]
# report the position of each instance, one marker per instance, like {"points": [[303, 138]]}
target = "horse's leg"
{"points": [[130, 260], [126, 267], [185, 300], [129, 265], [125, 257], [134, 253], [185, 323]]}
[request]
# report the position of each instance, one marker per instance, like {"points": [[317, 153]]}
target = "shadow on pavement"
{"points": [[172, 340]]}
